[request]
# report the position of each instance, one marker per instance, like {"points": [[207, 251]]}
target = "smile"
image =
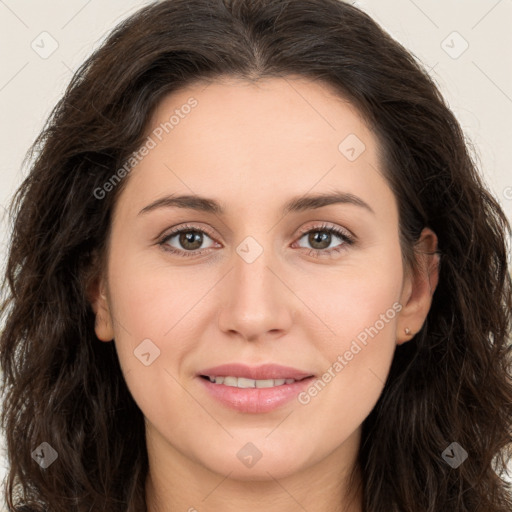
{"points": [[243, 382]]}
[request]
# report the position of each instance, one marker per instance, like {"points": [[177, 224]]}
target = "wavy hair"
{"points": [[451, 382]]}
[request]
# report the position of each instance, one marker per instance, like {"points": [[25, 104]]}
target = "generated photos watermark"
{"points": [[343, 359], [151, 143]]}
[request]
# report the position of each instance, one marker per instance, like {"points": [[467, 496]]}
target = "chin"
{"points": [[247, 462]]}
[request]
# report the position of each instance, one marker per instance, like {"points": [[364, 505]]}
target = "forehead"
{"points": [[293, 105], [249, 142]]}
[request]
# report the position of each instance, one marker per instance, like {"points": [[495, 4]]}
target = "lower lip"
{"points": [[255, 400]]}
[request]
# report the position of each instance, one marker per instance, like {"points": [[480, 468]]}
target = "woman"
{"points": [[367, 370]]}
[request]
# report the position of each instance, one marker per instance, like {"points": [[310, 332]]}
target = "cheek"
{"points": [[153, 298], [353, 379], [152, 308], [358, 348], [358, 302]]}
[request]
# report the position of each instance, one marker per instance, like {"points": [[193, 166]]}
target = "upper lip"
{"points": [[262, 372]]}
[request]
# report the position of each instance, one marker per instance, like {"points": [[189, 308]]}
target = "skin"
{"points": [[252, 147]]}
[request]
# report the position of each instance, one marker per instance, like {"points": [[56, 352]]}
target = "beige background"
{"points": [[465, 45]]}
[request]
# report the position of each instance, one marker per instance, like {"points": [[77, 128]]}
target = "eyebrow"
{"points": [[296, 204]]}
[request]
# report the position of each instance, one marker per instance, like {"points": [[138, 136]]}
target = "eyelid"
{"points": [[302, 230], [342, 233], [186, 227], [326, 226]]}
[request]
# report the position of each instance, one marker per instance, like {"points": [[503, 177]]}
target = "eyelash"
{"points": [[347, 240]]}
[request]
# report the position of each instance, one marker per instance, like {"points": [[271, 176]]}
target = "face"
{"points": [[317, 288]]}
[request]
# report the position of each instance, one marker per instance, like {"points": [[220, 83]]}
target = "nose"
{"points": [[256, 302]]}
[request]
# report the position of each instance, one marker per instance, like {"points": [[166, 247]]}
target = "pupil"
{"points": [[323, 237], [188, 237]]}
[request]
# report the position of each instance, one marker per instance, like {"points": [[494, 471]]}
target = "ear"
{"points": [[419, 287], [97, 295]]}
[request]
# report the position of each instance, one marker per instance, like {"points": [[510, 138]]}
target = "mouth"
{"points": [[244, 374], [254, 389], [245, 383]]}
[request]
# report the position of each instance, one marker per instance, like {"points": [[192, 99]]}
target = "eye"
{"points": [[322, 242], [191, 238]]}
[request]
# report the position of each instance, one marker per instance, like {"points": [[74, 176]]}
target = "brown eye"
{"points": [[188, 241], [320, 239], [191, 240]]}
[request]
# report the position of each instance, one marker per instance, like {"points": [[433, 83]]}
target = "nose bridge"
{"points": [[256, 301], [252, 276]]}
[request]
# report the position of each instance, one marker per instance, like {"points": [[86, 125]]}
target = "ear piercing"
{"points": [[407, 331]]}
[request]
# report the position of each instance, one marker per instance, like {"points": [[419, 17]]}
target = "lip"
{"points": [[255, 400], [262, 372]]}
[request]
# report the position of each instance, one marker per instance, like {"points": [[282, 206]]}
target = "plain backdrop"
{"points": [[464, 44]]}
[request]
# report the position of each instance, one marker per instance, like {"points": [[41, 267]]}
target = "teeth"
{"points": [[242, 382], [229, 381]]}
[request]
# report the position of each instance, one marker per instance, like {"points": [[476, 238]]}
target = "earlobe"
{"points": [[419, 289]]}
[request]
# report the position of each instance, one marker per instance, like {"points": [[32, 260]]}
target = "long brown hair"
{"points": [[450, 383]]}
